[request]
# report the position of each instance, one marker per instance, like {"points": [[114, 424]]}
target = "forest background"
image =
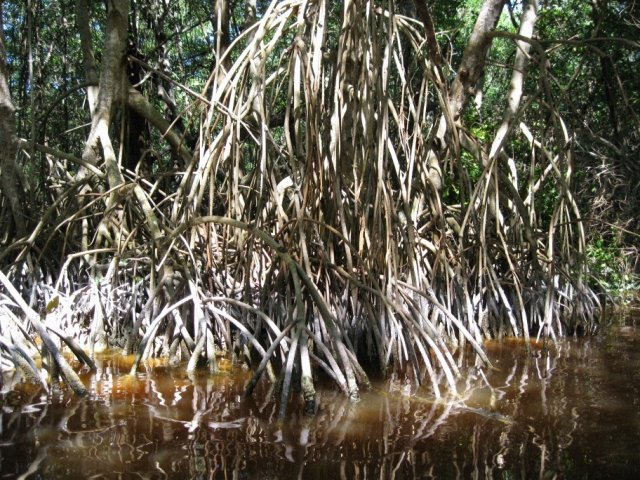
{"points": [[316, 186]]}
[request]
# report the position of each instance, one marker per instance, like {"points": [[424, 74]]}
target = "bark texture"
{"points": [[8, 143]]}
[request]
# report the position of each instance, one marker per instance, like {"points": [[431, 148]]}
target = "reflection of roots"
{"points": [[95, 430], [174, 425], [487, 414]]}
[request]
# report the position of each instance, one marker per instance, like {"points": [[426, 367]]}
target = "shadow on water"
{"points": [[574, 413]]}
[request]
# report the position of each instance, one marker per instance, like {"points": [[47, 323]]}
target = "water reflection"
{"points": [[573, 413]]}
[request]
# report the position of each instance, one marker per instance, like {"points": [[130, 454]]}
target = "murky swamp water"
{"points": [[572, 414]]}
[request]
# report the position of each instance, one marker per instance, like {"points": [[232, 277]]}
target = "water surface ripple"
{"points": [[574, 413]]}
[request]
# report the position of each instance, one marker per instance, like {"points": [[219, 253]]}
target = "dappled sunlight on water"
{"points": [[574, 413]]}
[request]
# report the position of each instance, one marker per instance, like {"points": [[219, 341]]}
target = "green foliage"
{"points": [[611, 271], [546, 202], [472, 166]]}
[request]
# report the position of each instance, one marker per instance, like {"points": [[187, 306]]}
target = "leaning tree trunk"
{"points": [[463, 87]]}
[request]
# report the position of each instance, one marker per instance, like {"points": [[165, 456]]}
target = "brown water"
{"points": [[572, 414]]}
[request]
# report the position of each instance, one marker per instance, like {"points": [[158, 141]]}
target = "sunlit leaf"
{"points": [[53, 304]]}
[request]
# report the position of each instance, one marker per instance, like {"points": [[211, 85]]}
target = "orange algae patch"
{"points": [[511, 343]]}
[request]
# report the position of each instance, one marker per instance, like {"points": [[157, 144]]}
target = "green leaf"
{"points": [[53, 304]]}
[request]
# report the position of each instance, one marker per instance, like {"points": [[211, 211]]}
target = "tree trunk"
{"points": [[527, 23], [109, 91], [89, 61], [8, 143], [463, 87]]}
